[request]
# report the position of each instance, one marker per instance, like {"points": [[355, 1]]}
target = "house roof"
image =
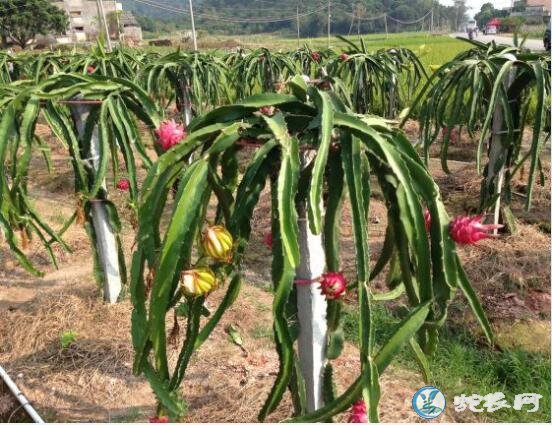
{"points": [[127, 19], [543, 3]]}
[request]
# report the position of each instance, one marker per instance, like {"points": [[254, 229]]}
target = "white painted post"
{"points": [[105, 236], [392, 97], [495, 149], [392, 93], [187, 112], [311, 306], [187, 106]]}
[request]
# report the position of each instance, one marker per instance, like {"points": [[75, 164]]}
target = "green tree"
{"points": [[22, 20], [487, 13], [519, 6]]}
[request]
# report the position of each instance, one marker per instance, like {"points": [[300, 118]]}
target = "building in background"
{"points": [[131, 29], [84, 21], [532, 11]]}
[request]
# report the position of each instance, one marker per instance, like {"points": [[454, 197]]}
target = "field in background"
{"points": [[432, 49]]}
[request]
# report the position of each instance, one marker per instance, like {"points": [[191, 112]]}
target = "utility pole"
{"points": [[329, 20], [193, 24], [358, 20], [298, 32], [431, 23], [102, 17]]}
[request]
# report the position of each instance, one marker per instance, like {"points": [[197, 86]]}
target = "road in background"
{"points": [[530, 43]]}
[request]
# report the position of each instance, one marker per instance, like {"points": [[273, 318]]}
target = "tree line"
{"points": [[346, 16]]}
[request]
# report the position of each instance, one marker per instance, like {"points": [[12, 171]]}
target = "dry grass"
{"points": [[91, 380]]}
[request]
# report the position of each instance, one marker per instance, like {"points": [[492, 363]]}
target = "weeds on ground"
{"points": [[463, 365]]}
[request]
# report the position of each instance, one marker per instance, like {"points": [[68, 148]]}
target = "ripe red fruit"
{"points": [[267, 240], [333, 285], [267, 110], [315, 56], [123, 184], [159, 420], [453, 133], [358, 412], [169, 134], [427, 219], [343, 57], [90, 69], [469, 229]]}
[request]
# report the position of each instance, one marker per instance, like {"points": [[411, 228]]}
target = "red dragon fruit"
{"points": [[90, 69], [123, 184], [315, 56], [343, 57], [169, 134], [469, 229], [159, 420], [453, 133], [427, 219], [358, 412], [267, 110], [333, 285], [267, 240]]}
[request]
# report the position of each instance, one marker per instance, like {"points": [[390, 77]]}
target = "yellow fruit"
{"points": [[198, 281], [218, 243], [434, 67]]}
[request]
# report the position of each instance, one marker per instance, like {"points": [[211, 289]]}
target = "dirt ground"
{"points": [[92, 380]]}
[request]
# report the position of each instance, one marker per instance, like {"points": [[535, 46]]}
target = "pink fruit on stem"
{"points": [[333, 285], [267, 240], [169, 134], [469, 229], [427, 219], [343, 57], [315, 56], [123, 184], [159, 420], [453, 133], [358, 412], [267, 110], [90, 69]]}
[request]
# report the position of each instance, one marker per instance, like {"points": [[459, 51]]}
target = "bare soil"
{"points": [[92, 380]]}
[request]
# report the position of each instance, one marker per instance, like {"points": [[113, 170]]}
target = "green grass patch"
{"points": [[432, 49], [261, 331], [462, 366]]}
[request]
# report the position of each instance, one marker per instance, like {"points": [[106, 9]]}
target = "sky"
{"points": [[476, 4]]}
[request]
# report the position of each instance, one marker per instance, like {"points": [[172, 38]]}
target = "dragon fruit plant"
{"points": [[259, 71], [493, 92], [108, 109], [381, 82], [309, 61], [314, 155], [195, 81]]}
